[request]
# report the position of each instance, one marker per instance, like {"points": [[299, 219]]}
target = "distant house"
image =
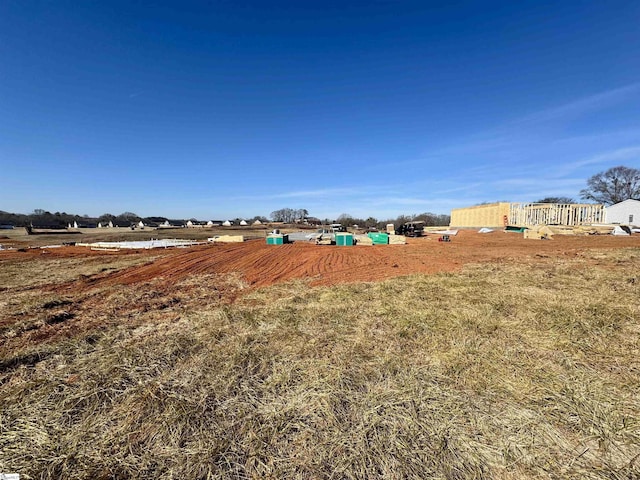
{"points": [[227, 223], [257, 222], [243, 223], [312, 221], [625, 213]]}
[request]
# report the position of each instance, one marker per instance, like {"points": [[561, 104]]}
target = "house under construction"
{"points": [[501, 214]]}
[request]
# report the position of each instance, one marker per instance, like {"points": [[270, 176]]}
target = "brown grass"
{"points": [[502, 371], [42, 270]]}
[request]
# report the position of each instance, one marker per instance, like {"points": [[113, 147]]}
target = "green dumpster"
{"points": [[378, 238]]}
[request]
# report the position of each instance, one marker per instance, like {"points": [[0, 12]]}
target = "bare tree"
{"points": [[562, 200], [288, 215], [613, 186], [349, 220], [433, 219]]}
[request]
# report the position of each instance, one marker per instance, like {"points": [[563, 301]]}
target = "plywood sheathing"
{"points": [[495, 215]]}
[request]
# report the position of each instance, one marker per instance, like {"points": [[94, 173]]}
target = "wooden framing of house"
{"points": [[569, 214], [501, 214]]}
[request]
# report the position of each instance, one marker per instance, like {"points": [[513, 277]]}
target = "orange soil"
{"points": [[263, 265]]}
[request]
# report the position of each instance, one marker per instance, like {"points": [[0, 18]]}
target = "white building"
{"points": [[625, 213]]}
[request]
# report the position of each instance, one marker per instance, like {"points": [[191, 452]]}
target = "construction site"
{"points": [[299, 255], [535, 221], [227, 353]]}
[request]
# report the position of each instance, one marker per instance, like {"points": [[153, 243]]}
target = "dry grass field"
{"points": [[523, 363]]}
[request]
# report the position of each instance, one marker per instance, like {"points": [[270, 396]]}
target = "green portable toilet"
{"points": [[344, 239], [379, 238]]}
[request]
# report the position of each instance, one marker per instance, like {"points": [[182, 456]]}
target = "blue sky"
{"points": [[230, 109]]}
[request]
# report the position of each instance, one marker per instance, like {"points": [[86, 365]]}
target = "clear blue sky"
{"points": [[226, 108]]}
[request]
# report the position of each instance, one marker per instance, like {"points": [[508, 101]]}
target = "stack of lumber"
{"points": [[581, 229], [227, 239], [362, 240], [397, 240], [539, 233], [547, 231], [594, 229]]}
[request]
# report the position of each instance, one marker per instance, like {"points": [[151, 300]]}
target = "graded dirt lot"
{"points": [[261, 265]]}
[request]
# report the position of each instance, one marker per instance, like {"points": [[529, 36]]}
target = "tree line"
{"points": [[289, 215], [609, 187], [45, 219], [429, 219]]}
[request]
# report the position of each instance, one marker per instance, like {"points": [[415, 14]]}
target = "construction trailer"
{"points": [[501, 214]]}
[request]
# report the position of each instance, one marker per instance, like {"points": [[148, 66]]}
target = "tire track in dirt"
{"points": [[262, 265]]}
